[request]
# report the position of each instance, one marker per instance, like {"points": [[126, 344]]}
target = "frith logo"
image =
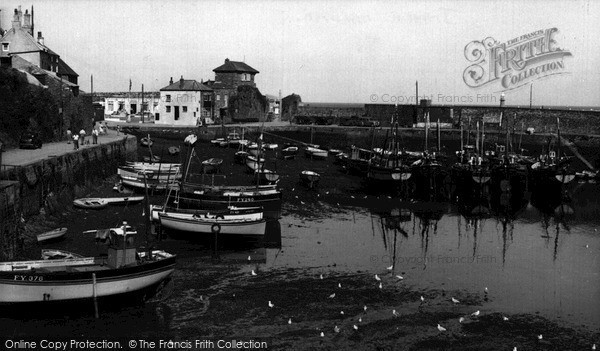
{"points": [[516, 62]]}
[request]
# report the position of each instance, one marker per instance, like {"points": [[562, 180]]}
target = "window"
{"points": [[218, 97], [184, 108], [111, 105], [168, 98], [4, 46], [194, 114], [168, 109]]}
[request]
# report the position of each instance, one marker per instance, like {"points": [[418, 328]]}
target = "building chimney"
{"points": [[226, 60], [171, 81], [181, 82], [27, 20], [16, 23], [40, 38]]}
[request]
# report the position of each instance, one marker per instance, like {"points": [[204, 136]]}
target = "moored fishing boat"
{"points": [[202, 225], [55, 234], [123, 272], [232, 212], [201, 196], [315, 153]]}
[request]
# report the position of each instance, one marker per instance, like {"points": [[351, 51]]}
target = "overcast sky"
{"points": [[332, 51]]}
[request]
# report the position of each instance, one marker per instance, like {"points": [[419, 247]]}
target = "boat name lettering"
{"points": [[29, 278], [247, 199]]}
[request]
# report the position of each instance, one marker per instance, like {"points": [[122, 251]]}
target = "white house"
{"points": [[184, 102], [122, 104]]}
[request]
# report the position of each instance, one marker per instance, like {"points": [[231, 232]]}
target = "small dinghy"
{"points": [[57, 233], [90, 203], [173, 150], [101, 202]]}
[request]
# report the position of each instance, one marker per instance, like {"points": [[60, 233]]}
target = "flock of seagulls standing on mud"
{"points": [[395, 313]]}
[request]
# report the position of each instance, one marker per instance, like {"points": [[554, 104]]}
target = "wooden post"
{"points": [[439, 134], [94, 292]]}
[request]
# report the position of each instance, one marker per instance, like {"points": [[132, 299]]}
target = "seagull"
{"points": [[337, 203], [271, 304], [293, 189], [339, 285], [515, 348], [461, 319], [485, 290], [296, 196], [332, 296], [594, 347], [455, 300], [352, 196], [253, 272], [390, 268], [540, 337], [365, 308], [249, 258], [290, 321], [365, 197], [380, 286], [504, 318], [422, 298], [440, 328], [355, 327], [359, 320], [327, 193], [302, 202], [377, 277], [476, 313], [322, 334], [321, 276], [336, 329], [394, 313], [399, 277], [341, 312], [201, 298]]}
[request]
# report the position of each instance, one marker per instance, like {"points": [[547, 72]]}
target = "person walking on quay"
{"points": [[75, 142], [82, 137], [69, 135], [95, 136]]}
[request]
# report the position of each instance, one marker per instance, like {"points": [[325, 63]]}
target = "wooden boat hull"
{"points": [[90, 203], [289, 152], [55, 234], [199, 197], [202, 226], [234, 213], [47, 285]]}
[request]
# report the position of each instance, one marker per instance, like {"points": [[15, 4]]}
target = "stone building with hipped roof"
{"points": [[185, 102]]}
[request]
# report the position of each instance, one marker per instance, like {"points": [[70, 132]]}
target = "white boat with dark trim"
{"points": [[55, 234], [209, 226], [123, 272], [233, 212], [316, 153], [101, 202]]}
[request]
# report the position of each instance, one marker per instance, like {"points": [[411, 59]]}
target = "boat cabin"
{"points": [[121, 251]]}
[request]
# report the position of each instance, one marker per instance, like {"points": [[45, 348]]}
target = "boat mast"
{"points": [[558, 136]]}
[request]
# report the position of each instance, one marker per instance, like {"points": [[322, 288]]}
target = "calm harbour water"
{"points": [[531, 260]]}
